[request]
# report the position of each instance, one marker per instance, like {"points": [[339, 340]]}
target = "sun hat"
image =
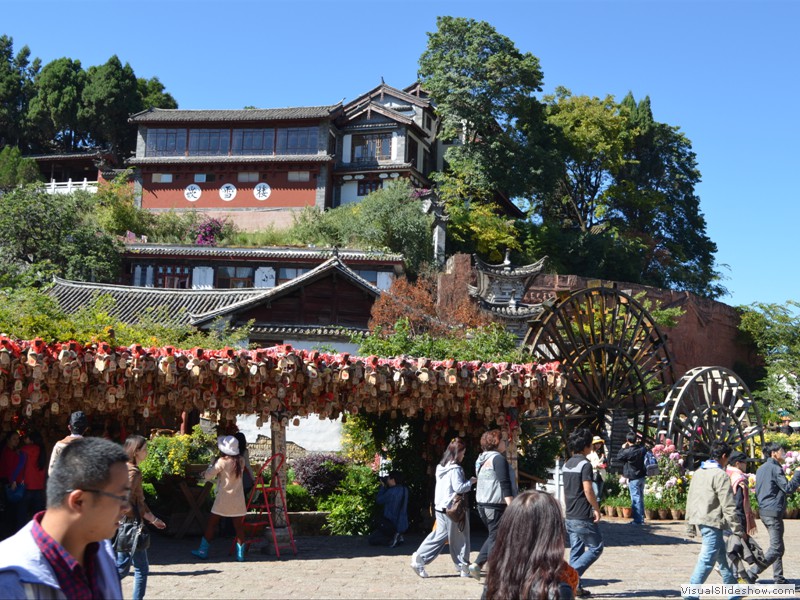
{"points": [[597, 440], [228, 444]]}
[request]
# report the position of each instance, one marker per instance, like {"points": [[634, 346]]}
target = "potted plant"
{"points": [[754, 505], [610, 506], [664, 512], [625, 509], [650, 507]]}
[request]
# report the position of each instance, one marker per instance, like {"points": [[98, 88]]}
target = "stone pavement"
{"points": [[648, 562]]}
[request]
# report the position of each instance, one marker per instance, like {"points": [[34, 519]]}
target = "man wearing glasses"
{"points": [[64, 551]]}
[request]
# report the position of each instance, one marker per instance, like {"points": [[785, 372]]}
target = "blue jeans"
{"points": [[586, 543], [712, 552], [636, 488], [140, 570]]}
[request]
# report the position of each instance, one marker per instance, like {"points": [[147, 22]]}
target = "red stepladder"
{"points": [[267, 499]]}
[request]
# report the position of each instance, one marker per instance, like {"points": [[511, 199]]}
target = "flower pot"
{"points": [[677, 514], [627, 512], [610, 511], [618, 510], [664, 514], [650, 514]]}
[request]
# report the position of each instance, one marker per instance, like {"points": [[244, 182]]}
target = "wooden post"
{"points": [[278, 424]]}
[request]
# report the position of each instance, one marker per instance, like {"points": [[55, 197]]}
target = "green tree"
{"points": [[624, 206], [15, 170], [116, 211], [37, 228], [55, 108], [17, 74], [656, 202], [388, 219], [111, 95], [484, 90], [775, 330], [153, 95]]}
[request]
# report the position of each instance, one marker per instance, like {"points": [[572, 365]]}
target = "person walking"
{"points": [[495, 490], [65, 552], [227, 469], [35, 475], [632, 456], [711, 507], [772, 487], [736, 470], [527, 560], [582, 510], [78, 425], [450, 480], [135, 448], [600, 465]]}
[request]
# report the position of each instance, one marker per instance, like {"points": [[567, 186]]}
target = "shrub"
{"points": [[320, 472], [352, 506], [298, 498], [169, 455]]}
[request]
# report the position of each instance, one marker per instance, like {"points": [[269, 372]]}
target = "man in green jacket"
{"points": [[711, 506]]}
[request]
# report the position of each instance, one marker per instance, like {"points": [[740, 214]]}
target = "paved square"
{"points": [[649, 562]]}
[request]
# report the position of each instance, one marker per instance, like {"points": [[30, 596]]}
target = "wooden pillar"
{"points": [[278, 424]]}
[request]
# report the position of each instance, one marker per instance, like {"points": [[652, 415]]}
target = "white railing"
{"points": [[69, 186]]}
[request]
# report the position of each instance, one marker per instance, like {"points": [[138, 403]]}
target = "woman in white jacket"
{"points": [[450, 480]]}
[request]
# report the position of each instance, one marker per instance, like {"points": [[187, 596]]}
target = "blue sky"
{"points": [[724, 71]]}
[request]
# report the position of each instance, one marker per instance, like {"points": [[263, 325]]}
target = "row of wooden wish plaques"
{"points": [[139, 385]]}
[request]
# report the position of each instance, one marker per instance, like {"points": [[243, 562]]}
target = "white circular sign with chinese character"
{"points": [[227, 192], [192, 192], [262, 191]]}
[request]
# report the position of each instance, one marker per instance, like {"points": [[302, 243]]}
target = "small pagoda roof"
{"points": [[515, 312], [506, 270]]}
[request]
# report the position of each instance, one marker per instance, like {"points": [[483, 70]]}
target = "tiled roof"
{"points": [[387, 111], [315, 273], [508, 271], [131, 302], [391, 91], [306, 331], [190, 160], [64, 156], [177, 115], [181, 307], [350, 167], [349, 256], [507, 311]]}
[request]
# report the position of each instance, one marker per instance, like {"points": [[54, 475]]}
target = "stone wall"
{"points": [[707, 334]]}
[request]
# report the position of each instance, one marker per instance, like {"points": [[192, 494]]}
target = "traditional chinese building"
{"points": [[258, 167], [325, 304]]}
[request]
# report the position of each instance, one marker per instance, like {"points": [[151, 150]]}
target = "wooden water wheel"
{"points": [[615, 360], [707, 404]]}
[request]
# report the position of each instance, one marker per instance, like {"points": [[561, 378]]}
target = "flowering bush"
{"points": [[320, 473], [208, 232], [671, 484]]}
